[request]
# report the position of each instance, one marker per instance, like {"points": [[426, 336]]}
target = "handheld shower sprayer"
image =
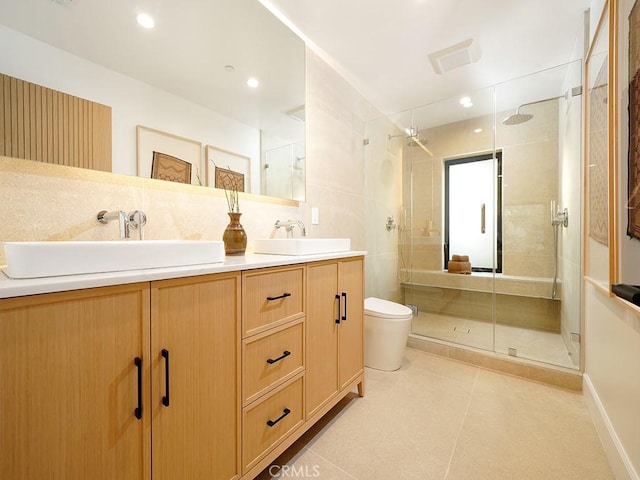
{"points": [[559, 217]]}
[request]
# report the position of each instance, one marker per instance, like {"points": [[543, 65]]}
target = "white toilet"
{"points": [[386, 329]]}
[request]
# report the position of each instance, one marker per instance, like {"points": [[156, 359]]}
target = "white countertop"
{"points": [[20, 287]]}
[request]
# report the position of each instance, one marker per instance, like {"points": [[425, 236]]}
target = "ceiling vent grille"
{"points": [[297, 113], [456, 56]]}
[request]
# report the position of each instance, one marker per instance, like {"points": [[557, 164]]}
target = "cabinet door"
{"points": [[195, 330], [351, 356], [321, 369], [69, 385]]}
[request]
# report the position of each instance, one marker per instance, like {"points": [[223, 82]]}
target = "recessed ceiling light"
{"points": [[145, 20], [253, 82], [466, 102], [477, 130]]}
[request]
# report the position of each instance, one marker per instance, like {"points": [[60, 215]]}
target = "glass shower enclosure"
{"points": [[490, 240]]}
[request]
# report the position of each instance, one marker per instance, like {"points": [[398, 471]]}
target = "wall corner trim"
{"points": [[616, 454]]}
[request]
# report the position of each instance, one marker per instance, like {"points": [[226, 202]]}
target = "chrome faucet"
{"points": [[136, 219], [123, 221], [288, 226]]}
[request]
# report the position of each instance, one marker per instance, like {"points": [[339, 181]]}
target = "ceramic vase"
{"points": [[234, 237]]}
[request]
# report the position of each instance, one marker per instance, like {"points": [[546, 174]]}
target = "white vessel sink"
{"points": [[49, 259], [301, 245]]}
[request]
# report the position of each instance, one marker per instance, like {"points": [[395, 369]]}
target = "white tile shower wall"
{"points": [[336, 114]]}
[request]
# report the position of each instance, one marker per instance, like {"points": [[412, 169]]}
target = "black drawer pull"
{"points": [[165, 398], [138, 411], [284, 295], [285, 354], [344, 295], [339, 309], [285, 412]]}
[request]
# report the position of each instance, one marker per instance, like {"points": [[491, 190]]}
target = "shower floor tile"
{"points": [[536, 345]]}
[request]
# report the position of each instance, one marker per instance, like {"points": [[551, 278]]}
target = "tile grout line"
{"points": [[464, 418], [326, 460]]}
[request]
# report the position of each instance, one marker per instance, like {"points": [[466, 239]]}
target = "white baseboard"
{"points": [[616, 454]]}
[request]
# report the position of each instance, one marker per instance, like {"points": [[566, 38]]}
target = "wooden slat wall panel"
{"points": [[45, 125]]}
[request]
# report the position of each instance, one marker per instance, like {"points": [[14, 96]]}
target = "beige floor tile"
{"points": [[405, 426], [300, 462], [439, 419], [516, 429]]}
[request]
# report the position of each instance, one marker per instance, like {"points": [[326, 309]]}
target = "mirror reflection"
{"points": [[220, 79]]}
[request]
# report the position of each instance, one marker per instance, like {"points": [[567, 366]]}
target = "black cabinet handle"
{"points": [[344, 295], [165, 398], [284, 295], [339, 309], [138, 411], [285, 354], [285, 412]]}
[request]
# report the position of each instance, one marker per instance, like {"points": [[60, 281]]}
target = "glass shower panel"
{"points": [[522, 139], [284, 171], [454, 307], [538, 291]]}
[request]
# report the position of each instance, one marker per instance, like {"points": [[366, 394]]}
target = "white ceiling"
{"points": [[185, 54], [382, 46]]}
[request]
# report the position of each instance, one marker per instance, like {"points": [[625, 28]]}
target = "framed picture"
{"points": [[166, 167], [168, 157], [229, 180], [601, 264], [222, 164], [633, 187]]}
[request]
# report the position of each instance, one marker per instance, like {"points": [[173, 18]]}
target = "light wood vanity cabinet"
{"points": [[69, 385], [225, 371], [195, 377], [273, 360], [69, 382], [334, 338]]}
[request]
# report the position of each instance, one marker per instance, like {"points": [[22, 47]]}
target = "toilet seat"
{"points": [[377, 307]]}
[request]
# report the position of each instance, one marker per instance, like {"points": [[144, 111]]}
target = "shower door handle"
{"points": [[483, 226]]}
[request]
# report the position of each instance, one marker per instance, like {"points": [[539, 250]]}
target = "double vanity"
{"points": [[207, 371]]}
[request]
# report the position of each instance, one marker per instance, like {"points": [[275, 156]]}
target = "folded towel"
{"points": [[459, 267], [460, 258]]}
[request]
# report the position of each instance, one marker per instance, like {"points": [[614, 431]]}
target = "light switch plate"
{"points": [[315, 218]]}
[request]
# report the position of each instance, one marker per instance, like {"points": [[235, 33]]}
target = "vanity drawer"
{"points": [[270, 297], [271, 357], [267, 422]]}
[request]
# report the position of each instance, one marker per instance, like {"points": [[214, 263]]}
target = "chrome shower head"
{"points": [[517, 118]]}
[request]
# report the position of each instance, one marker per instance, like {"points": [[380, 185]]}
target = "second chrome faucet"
{"points": [[288, 226], [135, 219]]}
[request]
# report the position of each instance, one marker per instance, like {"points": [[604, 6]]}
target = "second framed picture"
{"points": [[225, 169]]}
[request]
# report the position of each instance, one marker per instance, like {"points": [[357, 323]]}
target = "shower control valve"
{"points": [[391, 224]]}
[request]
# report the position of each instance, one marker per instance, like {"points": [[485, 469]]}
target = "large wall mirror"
{"points": [[185, 80]]}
